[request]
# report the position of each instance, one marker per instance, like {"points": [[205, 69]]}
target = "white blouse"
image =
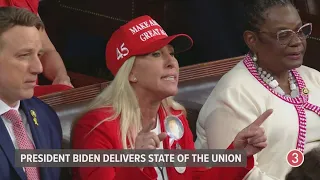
{"points": [[238, 99]]}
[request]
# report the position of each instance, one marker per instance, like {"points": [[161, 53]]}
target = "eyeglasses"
{"points": [[285, 36]]}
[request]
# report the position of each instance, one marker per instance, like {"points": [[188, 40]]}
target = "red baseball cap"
{"points": [[140, 36]]}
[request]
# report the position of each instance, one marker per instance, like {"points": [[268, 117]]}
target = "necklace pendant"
{"points": [[279, 90], [273, 84], [293, 86], [294, 93]]}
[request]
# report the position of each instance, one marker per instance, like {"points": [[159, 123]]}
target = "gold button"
{"points": [[305, 90]]}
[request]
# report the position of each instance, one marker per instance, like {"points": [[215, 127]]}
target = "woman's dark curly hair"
{"points": [[255, 9]]}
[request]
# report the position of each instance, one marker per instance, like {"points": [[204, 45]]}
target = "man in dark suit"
{"points": [[25, 121]]}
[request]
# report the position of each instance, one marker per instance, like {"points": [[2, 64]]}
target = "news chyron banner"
{"points": [[130, 158]]}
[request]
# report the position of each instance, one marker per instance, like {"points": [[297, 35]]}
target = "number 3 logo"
{"points": [[295, 158], [122, 52]]}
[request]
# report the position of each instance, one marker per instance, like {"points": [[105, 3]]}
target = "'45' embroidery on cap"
{"points": [[122, 52]]}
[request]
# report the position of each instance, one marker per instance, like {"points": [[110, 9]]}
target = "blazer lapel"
{"points": [[9, 150]]}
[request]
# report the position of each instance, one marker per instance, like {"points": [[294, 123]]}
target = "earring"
{"points": [[135, 79], [254, 57]]}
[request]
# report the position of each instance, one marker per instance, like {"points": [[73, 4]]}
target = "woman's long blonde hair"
{"points": [[121, 97]]}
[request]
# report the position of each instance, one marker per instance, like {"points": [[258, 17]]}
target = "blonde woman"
{"points": [[130, 113]]}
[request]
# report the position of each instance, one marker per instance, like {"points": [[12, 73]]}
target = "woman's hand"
{"points": [[147, 139], [252, 138]]}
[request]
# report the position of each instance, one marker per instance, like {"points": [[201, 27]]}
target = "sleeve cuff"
{"points": [[231, 146]]}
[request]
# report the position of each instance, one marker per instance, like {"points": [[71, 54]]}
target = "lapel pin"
{"points": [[305, 90], [34, 115], [180, 170], [35, 120], [175, 131], [174, 127]]}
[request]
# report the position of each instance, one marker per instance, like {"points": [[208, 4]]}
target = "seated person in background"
{"points": [[53, 66], [309, 170], [271, 76], [25, 121], [130, 112]]}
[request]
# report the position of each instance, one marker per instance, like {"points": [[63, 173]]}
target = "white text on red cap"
{"points": [[150, 33]]}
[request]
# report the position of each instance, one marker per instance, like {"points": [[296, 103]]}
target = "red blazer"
{"points": [[106, 136], [32, 5]]}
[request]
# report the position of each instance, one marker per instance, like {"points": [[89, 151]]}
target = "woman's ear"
{"points": [[251, 40], [132, 78]]}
